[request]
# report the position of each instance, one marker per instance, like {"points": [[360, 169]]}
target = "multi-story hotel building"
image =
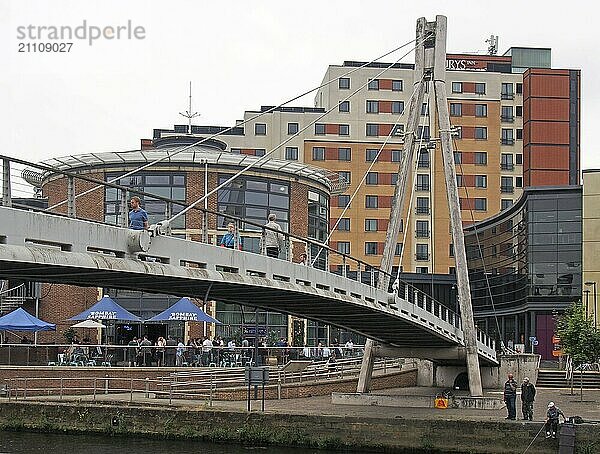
{"points": [[517, 125]]}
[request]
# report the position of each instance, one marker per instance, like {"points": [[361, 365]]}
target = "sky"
{"points": [[239, 55]]}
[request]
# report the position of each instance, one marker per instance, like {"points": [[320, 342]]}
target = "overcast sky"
{"points": [[239, 55]]}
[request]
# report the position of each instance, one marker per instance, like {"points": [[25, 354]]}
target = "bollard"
{"points": [[25, 389], [106, 384], [170, 393], [131, 390], [210, 395], [95, 381], [279, 386], [61, 388], [147, 388]]}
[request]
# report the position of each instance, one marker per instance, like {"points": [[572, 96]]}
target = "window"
{"points": [[343, 247], [393, 179], [507, 114], [481, 158], [397, 130], [236, 150], [371, 154], [519, 134], [372, 129], [424, 110], [480, 181], [481, 110], [343, 201], [344, 154], [292, 128], [518, 111], [519, 182], [481, 132], [344, 83], [455, 109], [505, 203], [423, 132], [372, 106], [480, 88], [396, 155], [519, 159], [370, 225], [451, 250], [507, 137], [345, 175], [422, 251], [507, 91], [423, 161], [259, 152], [372, 178], [371, 248], [344, 225], [422, 182], [480, 204], [371, 201], [397, 107], [291, 153], [398, 250], [506, 161], [319, 129], [422, 205], [421, 270], [344, 106], [452, 270], [396, 85], [422, 229], [344, 130], [506, 185], [457, 157], [519, 88], [457, 87], [373, 84], [260, 129], [318, 154], [459, 180]]}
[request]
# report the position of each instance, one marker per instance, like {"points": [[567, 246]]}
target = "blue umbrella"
{"points": [[107, 309], [21, 320], [184, 311]]}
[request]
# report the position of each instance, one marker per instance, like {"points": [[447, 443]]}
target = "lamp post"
{"points": [[204, 214], [587, 301], [593, 284]]}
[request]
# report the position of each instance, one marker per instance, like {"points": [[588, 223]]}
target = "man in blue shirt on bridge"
{"points": [[138, 218]]}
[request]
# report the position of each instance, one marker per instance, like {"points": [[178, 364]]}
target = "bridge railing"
{"points": [[22, 183]]}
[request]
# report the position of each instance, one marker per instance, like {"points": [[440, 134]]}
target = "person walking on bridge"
{"points": [[273, 240], [510, 397], [527, 398], [138, 218]]}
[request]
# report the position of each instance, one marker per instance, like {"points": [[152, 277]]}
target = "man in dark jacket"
{"points": [[510, 397], [527, 398]]}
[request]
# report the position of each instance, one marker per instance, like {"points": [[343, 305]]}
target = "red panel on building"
{"points": [[468, 132], [385, 156], [248, 151], [380, 248], [332, 128], [549, 132], [385, 84], [385, 178], [468, 157], [550, 85], [384, 201], [384, 130], [548, 177], [468, 87], [382, 225], [548, 157], [468, 181], [385, 106], [467, 204], [548, 109], [331, 154], [468, 110]]}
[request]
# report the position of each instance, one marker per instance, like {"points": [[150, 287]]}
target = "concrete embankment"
{"points": [[353, 433]]}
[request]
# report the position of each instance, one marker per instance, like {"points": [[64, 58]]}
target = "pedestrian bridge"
{"points": [[51, 248]]}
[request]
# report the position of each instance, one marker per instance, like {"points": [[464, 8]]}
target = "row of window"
{"points": [[345, 154], [506, 90], [480, 181], [374, 84], [371, 248]]}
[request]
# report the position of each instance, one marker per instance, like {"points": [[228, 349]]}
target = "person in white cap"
{"points": [[552, 419]]}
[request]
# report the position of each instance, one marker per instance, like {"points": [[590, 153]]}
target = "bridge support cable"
{"points": [[281, 144], [364, 382], [242, 123], [6, 194], [458, 239]]}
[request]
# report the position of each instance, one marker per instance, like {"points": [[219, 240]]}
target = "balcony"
{"points": [[421, 256], [423, 164], [422, 233], [510, 95], [507, 141], [422, 210], [507, 189], [422, 187], [507, 166], [507, 119]]}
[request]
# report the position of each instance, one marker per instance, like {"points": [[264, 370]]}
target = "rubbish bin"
{"points": [[566, 442]]}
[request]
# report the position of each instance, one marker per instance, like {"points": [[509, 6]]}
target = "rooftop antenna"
{"points": [[493, 44], [188, 113]]}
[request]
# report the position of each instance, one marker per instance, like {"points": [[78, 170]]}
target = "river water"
{"points": [[25, 442]]}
